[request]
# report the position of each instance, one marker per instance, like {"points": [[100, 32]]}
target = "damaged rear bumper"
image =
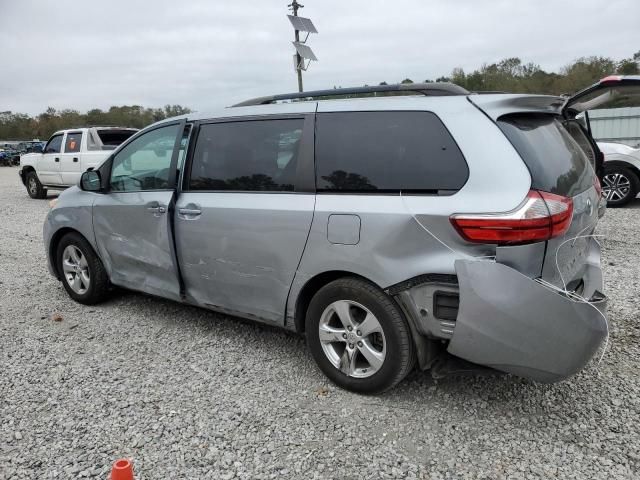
{"points": [[513, 323]]}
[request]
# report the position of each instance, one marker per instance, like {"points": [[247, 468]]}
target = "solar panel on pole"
{"points": [[304, 51], [303, 24]]}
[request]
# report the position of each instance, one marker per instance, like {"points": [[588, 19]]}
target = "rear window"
{"points": [[112, 138], [386, 152], [555, 160]]}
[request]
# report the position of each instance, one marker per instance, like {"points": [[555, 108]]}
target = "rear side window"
{"points": [[72, 145], [555, 160], [386, 152], [255, 155]]}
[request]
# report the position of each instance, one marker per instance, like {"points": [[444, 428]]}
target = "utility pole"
{"points": [[295, 6], [303, 52]]}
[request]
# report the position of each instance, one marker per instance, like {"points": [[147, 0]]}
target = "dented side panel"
{"points": [[135, 243], [513, 323], [242, 252], [403, 236]]}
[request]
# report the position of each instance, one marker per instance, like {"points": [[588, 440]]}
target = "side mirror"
{"points": [[90, 181]]}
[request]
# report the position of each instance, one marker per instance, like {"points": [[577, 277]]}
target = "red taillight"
{"points": [[540, 217]]}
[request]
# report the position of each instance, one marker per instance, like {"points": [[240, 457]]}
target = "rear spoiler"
{"points": [[496, 105]]}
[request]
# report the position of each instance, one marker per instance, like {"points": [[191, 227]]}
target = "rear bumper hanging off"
{"points": [[513, 323]]}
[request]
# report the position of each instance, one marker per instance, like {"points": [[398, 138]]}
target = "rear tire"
{"points": [[358, 336], [34, 187], [83, 275], [620, 185]]}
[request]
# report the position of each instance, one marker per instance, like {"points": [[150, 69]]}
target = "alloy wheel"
{"points": [[33, 186], [352, 338], [616, 186], [76, 269]]}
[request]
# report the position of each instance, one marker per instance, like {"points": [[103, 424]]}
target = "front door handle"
{"points": [[75, 159], [56, 159], [156, 208]]}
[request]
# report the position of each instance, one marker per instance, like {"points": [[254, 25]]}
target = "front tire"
{"points": [[83, 275], [358, 336], [620, 185], [34, 187]]}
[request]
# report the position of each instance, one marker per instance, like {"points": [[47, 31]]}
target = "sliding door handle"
{"points": [[189, 211]]}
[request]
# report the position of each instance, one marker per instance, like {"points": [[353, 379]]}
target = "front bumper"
{"points": [[513, 323], [47, 234]]}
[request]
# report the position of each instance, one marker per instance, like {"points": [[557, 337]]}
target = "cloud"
{"points": [[207, 54]]}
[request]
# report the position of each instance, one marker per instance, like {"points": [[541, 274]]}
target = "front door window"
{"points": [[54, 145], [145, 163]]}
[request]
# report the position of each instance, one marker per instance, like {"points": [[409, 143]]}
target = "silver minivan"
{"points": [[394, 226]]}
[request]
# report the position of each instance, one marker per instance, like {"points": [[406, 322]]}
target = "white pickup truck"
{"points": [[66, 155]]}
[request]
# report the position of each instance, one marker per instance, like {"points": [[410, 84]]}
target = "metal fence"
{"points": [[620, 125]]}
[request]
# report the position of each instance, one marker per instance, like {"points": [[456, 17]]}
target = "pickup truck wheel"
{"points": [[358, 336], [83, 275], [34, 187]]}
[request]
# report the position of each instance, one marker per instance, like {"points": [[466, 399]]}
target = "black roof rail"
{"points": [[429, 89]]}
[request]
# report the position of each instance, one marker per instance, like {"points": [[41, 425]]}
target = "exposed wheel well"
{"points": [[53, 246], [26, 169], [619, 163], [311, 288]]}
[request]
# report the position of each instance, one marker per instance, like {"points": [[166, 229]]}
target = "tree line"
{"points": [[20, 126], [507, 75], [512, 75]]}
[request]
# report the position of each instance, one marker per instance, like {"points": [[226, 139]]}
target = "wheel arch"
{"points": [[311, 287], [53, 246], [622, 163], [26, 170]]}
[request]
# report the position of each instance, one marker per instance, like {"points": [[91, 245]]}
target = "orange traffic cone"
{"points": [[122, 470]]}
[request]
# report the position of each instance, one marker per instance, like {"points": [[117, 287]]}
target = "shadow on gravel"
{"points": [[633, 204], [482, 385], [487, 392]]}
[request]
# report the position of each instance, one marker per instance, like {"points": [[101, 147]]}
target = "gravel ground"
{"points": [[187, 393]]}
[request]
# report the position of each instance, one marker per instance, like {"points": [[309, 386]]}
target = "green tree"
{"points": [[18, 126], [628, 66]]}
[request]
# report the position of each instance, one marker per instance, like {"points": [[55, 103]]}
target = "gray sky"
{"points": [[207, 54]]}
